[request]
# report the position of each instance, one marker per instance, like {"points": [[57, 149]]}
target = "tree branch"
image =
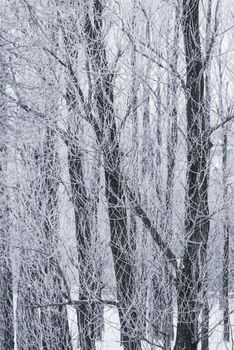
{"points": [[64, 135], [163, 246], [220, 125], [77, 303], [159, 55]]}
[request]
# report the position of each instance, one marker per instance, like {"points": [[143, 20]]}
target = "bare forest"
{"points": [[116, 174]]}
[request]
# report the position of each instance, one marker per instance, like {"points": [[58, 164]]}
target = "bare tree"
{"points": [[226, 220], [6, 280], [41, 279], [108, 138], [123, 96], [196, 203]]}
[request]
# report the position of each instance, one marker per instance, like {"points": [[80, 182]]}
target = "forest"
{"points": [[116, 175]]}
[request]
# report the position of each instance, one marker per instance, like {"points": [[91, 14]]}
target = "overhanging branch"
{"points": [[163, 246], [220, 125], [76, 303]]}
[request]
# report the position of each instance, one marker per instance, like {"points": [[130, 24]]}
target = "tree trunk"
{"points": [[6, 280], [41, 280], [87, 315], [226, 324], [28, 317], [196, 204], [207, 99], [54, 320], [107, 136], [172, 140], [87, 278], [226, 219], [6, 288]]}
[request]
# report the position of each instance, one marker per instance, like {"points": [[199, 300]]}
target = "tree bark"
{"points": [[172, 140], [55, 328], [41, 279], [226, 219], [207, 99], [87, 315], [196, 204], [87, 278], [107, 136], [6, 280]]}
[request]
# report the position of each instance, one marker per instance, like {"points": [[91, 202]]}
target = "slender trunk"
{"points": [[87, 278], [107, 136], [30, 281], [205, 316], [158, 155], [172, 128], [196, 204], [134, 103], [41, 280], [54, 321], [95, 190], [147, 158], [6, 280], [172, 140], [134, 89], [135, 229], [28, 317], [226, 325], [207, 102], [6, 288], [147, 172], [226, 225]]}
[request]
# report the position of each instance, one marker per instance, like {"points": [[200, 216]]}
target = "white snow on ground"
{"points": [[216, 327], [111, 336]]}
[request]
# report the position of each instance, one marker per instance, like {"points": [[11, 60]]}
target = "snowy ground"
{"points": [[216, 327], [111, 332]]}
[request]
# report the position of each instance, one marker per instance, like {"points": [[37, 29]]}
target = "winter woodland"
{"points": [[116, 174]]}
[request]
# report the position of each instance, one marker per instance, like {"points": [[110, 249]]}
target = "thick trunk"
{"points": [[187, 324], [196, 205]]}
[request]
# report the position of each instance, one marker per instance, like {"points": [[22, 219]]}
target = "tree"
{"points": [[226, 224], [108, 138], [88, 317], [196, 203], [6, 279], [110, 110], [42, 282]]}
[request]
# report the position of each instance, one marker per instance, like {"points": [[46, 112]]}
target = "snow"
{"points": [[111, 332]]}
